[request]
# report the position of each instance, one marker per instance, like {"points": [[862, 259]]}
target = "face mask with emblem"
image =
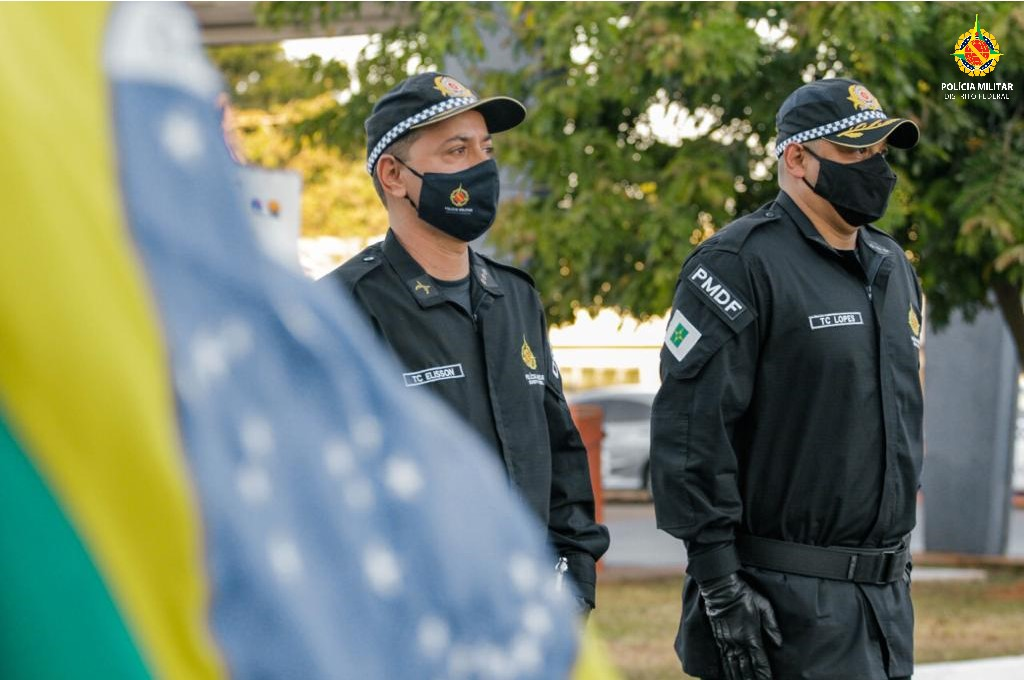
{"points": [[858, 191], [461, 204]]}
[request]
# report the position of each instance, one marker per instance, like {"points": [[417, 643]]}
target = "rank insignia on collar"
{"points": [[424, 287], [527, 354]]}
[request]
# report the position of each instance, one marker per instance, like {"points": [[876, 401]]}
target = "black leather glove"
{"points": [[738, 613]]}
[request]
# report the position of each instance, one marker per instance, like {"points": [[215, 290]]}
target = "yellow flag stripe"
{"points": [[592, 662], [83, 374]]}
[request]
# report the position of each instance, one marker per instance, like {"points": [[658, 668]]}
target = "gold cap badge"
{"points": [[862, 99], [450, 87]]}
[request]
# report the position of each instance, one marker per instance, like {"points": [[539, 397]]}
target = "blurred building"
{"points": [[608, 349]]}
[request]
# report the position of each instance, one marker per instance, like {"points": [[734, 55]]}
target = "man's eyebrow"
{"points": [[463, 138]]}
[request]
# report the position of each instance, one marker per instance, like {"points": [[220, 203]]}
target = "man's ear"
{"points": [[388, 171], [795, 159]]}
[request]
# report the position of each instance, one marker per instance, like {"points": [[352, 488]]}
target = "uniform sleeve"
{"points": [[336, 281], [708, 368], [572, 528]]}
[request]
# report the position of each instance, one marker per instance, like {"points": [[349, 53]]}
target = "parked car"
{"points": [[625, 449]]}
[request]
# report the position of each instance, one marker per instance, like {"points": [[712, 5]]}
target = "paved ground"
{"points": [[1004, 668]]}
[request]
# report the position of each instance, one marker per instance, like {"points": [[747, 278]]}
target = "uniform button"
{"points": [[769, 213], [369, 258]]}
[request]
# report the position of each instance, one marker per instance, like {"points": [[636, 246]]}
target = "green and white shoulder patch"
{"points": [[681, 336]]}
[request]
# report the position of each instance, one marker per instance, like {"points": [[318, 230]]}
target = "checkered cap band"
{"points": [[400, 129], [828, 129]]}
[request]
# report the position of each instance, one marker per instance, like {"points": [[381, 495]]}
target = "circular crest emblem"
{"points": [[459, 197], [862, 99], [976, 51], [450, 87]]}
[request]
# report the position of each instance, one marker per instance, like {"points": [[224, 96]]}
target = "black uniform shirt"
{"points": [[493, 365], [791, 405], [460, 292], [790, 408]]}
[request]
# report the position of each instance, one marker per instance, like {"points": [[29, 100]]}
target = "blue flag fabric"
{"points": [[353, 529]]}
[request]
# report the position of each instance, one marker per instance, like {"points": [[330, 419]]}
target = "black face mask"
{"points": [[461, 204], [858, 191]]}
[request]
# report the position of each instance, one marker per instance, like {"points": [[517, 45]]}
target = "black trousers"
{"points": [[831, 630]]}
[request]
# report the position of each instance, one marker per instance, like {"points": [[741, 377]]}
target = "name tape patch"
{"points": [[429, 375], [707, 283], [681, 336], [819, 321]]}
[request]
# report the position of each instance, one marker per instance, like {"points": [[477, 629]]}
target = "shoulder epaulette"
{"points": [[884, 234], [359, 266], [732, 236], [507, 267]]}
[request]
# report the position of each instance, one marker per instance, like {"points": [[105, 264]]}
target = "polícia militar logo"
{"points": [[459, 197], [976, 51]]}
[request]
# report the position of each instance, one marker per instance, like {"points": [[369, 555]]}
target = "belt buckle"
{"points": [[888, 560], [882, 565], [890, 566]]}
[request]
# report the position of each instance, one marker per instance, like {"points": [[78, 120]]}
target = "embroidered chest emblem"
{"points": [[915, 323], [528, 358]]}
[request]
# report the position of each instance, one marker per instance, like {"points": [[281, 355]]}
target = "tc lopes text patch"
{"points": [[819, 321]]}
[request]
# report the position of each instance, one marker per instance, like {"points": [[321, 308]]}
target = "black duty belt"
{"points": [[860, 565]]}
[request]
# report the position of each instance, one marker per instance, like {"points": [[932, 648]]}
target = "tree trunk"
{"points": [[1012, 305]]}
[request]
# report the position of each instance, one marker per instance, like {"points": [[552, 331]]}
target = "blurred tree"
{"points": [[651, 126], [277, 105], [259, 76]]}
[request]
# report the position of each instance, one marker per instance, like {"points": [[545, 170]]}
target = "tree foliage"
{"points": [[616, 202], [259, 76], [277, 108]]}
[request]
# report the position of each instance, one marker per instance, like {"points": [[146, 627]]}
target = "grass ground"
{"points": [[638, 618]]}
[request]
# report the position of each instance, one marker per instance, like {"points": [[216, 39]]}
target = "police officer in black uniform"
{"points": [[786, 436], [467, 328]]}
